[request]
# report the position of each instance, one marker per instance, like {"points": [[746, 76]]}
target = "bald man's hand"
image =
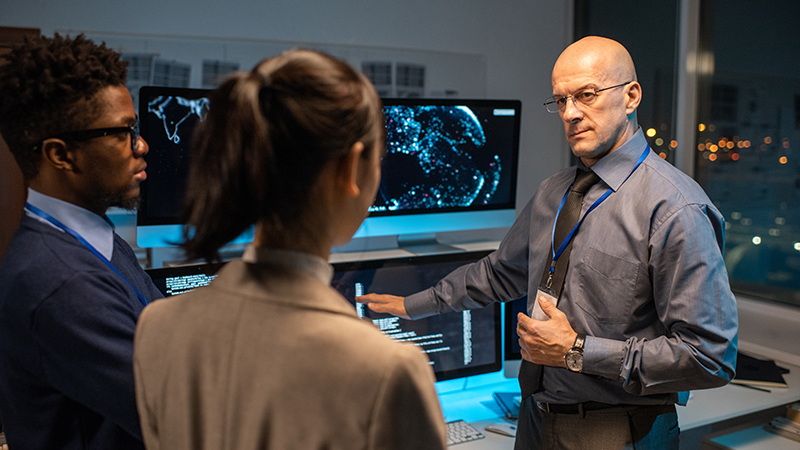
{"points": [[383, 303], [545, 342]]}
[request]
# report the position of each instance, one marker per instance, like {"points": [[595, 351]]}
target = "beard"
{"points": [[120, 199], [128, 204]]}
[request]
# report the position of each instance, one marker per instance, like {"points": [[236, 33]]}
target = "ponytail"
{"points": [[267, 137]]}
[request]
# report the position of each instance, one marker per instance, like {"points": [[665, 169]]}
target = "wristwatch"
{"points": [[574, 357]]}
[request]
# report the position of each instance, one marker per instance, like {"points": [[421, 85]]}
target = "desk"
{"points": [[713, 410], [708, 411], [477, 406], [731, 401], [749, 438]]}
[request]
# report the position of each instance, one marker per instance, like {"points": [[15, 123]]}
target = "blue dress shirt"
{"points": [[97, 230]]}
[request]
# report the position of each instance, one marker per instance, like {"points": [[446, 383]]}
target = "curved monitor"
{"points": [[450, 165]]}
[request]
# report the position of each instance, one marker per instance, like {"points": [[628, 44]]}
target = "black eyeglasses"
{"points": [[584, 97], [85, 135]]}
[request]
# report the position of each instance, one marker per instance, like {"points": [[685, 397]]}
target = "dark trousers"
{"points": [[628, 428]]}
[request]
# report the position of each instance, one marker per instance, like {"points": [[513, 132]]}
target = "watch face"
{"points": [[574, 360]]}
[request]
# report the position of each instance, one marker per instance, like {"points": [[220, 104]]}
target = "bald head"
{"points": [[600, 122], [605, 58]]}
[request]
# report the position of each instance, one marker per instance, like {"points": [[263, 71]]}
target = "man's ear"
{"points": [[349, 170], [633, 97], [56, 154]]}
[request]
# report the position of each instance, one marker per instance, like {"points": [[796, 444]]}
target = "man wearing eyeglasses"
{"points": [[71, 289], [644, 309]]}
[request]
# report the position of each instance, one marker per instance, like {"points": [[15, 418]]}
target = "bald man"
{"points": [[644, 307]]}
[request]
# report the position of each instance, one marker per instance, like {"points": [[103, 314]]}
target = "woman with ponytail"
{"points": [[269, 356]]}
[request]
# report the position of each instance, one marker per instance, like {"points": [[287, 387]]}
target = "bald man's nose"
{"points": [[571, 112]]}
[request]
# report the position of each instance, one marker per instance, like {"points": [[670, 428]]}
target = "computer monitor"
{"points": [[450, 165], [459, 344], [167, 119], [511, 349], [180, 279]]}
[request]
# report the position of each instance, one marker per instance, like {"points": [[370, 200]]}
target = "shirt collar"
{"points": [[98, 231], [304, 262], [615, 167]]}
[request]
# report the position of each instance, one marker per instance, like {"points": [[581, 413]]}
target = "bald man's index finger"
{"points": [[523, 321]]}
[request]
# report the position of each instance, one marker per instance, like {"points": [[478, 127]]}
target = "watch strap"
{"points": [[579, 340]]}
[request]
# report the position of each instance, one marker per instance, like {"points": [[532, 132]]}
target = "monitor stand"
{"points": [[424, 244]]}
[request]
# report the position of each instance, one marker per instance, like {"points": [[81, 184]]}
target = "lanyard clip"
{"points": [[549, 282]]}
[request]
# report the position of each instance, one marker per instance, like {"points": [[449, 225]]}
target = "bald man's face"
{"points": [[595, 129]]}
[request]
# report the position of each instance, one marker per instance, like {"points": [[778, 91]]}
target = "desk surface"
{"points": [[752, 438], [715, 405], [477, 406], [492, 441]]}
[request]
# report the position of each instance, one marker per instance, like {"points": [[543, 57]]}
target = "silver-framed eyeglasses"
{"points": [[583, 97]]}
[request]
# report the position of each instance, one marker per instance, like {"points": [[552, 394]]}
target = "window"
{"points": [[380, 74], [171, 73], [747, 133], [215, 71], [748, 137], [649, 31], [410, 80]]}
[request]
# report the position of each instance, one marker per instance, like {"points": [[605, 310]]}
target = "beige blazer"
{"points": [[267, 358]]}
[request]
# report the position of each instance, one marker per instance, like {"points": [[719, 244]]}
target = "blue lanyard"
{"points": [[557, 252], [85, 243]]}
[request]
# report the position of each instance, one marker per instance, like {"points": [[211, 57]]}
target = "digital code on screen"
{"points": [[458, 344]]}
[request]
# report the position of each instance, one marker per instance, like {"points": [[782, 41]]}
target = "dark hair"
{"points": [[47, 86], [268, 134]]}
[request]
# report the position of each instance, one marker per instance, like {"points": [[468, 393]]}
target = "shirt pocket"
{"points": [[606, 286]]}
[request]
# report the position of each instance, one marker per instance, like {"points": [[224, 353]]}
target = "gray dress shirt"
{"points": [[646, 283]]}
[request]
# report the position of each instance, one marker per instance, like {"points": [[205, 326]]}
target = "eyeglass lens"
{"points": [[135, 135]]}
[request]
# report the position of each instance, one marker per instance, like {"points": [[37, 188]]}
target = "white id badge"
{"points": [[538, 313]]}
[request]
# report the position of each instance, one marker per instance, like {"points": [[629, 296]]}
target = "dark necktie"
{"points": [[567, 219], [530, 374]]}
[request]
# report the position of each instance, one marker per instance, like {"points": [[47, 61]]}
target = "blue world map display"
{"points": [[436, 158]]}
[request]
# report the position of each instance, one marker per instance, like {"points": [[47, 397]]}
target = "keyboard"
{"points": [[459, 431]]}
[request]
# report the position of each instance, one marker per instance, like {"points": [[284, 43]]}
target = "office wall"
{"points": [[520, 40]]}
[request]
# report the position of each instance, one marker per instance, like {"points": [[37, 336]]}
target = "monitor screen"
{"points": [[167, 117], [177, 280], [459, 344], [450, 165]]}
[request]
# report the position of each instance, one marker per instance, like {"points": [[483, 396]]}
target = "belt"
{"points": [[575, 408], [582, 408]]}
